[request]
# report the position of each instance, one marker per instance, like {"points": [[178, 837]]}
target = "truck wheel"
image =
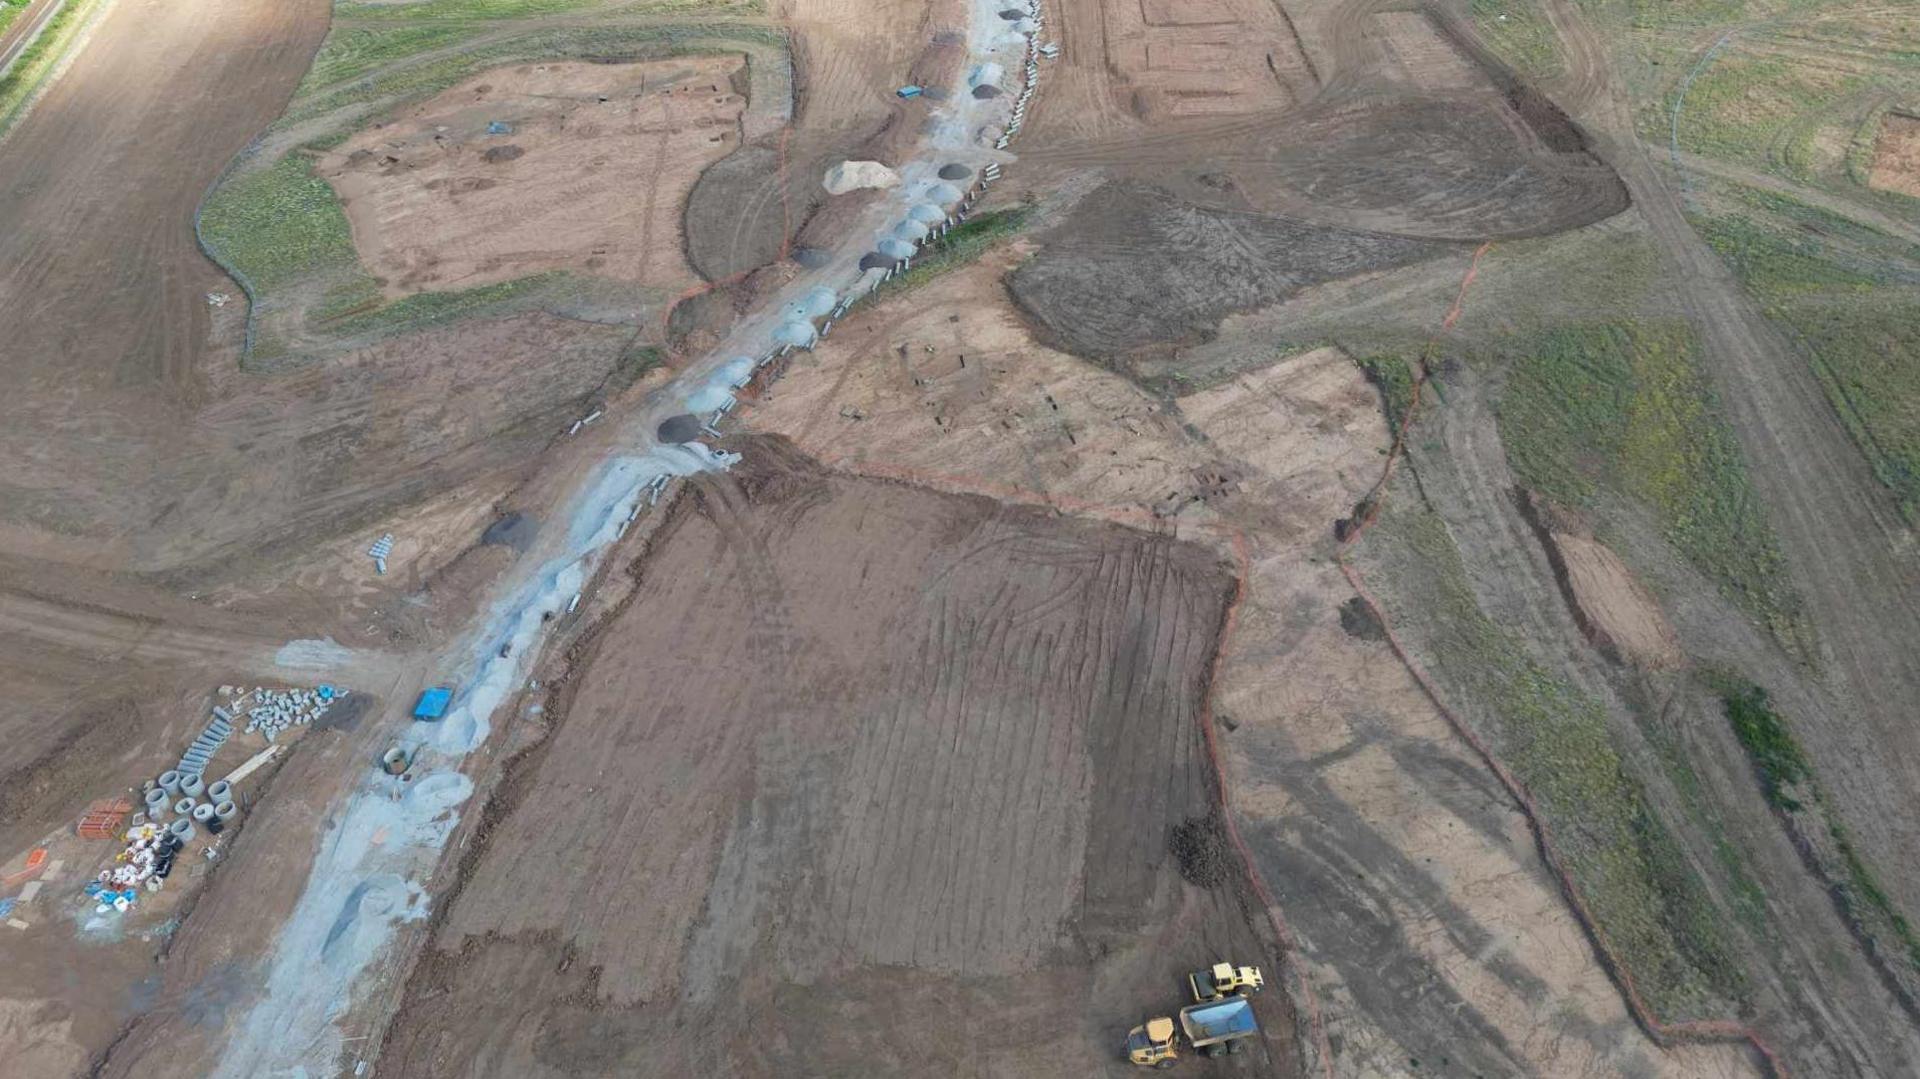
{"points": [[1165, 1064], [1236, 1046]]}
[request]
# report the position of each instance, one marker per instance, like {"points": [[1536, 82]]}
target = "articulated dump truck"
{"points": [[1218, 1024]]}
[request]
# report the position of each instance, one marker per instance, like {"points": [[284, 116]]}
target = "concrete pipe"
{"points": [[157, 801], [395, 761], [184, 806], [219, 791], [202, 813], [182, 830], [225, 810], [170, 781], [192, 785]]}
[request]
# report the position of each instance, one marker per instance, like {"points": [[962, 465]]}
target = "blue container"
{"points": [[433, 703]]}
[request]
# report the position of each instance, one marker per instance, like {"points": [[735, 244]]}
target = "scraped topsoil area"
{"points": [[861, 779], [1133, 267], [535, 167], [1896, 155]]}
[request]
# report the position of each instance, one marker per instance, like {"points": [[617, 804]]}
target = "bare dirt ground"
{"points": [[1428, 927], [934, 796], [1896, 155], [588, 173]]}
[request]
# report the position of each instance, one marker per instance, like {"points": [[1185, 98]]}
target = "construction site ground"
{"points": [[1171, 576]]}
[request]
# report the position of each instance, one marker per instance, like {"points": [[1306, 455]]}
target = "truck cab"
{"points": [[1151, 1044]]}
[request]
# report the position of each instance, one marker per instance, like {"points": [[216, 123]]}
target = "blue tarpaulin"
{"points": [[433, 703]]}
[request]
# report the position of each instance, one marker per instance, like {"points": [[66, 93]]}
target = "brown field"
{"points": [[906, 764], [1896, 155], [437, 202]]}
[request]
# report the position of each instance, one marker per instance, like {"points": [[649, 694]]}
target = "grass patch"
{"points": [[1788, 782], [1519, 34], [276, 225], [1635, 879], [1849, 297], [1393, 377], [10, 10], [1622, 407], [38, 60], [394, 81], [528, 9], [1742, 104], [964, 244], [352, 51], [424, 309]]}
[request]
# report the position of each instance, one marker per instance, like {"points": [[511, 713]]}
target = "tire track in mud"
{"points": [[1662, 1034]]}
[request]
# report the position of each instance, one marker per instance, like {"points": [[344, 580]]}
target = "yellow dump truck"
{"points": [[1213, 1028]]}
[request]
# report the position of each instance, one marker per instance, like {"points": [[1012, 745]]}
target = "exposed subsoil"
{"points": [[1896, 155], [536, 167], [859, 777]]}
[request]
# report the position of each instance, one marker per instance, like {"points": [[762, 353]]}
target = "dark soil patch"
{"points": [[678, 429], [955, 171], [1200, 846], [985, 91], [1359, 620], [497, 154], [515, 530], [1133, 268]]}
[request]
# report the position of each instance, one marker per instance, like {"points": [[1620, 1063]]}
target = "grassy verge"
{"points": [[1790, 787], [964, 244], [425, 10], [1623, 407], [1634, 877], [1849, 297], [31, 69], [1519, 34], [10, 10]]}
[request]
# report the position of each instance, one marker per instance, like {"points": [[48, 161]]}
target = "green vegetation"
{"points": [[10, 10], [1393, 377], [1635, 879], [424, 309], [964, 244], [1846, 294], [276, 225], [1743, 103], [352, 51], [374, 71], [1790, 787], [1520, 34], [1622, 407], [1776, 756], [38, 60], [528, 9]]}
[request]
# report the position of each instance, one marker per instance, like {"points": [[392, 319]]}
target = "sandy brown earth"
{"points": [[1896, 155], [588, 174], [910, 765]]}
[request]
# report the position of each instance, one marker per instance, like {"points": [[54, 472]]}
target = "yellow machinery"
{"points": [[1224, 979], [1151, 1043], [1214, 1028]]}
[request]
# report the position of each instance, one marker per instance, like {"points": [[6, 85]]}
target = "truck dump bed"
{"points": [[1218, 1021]]}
